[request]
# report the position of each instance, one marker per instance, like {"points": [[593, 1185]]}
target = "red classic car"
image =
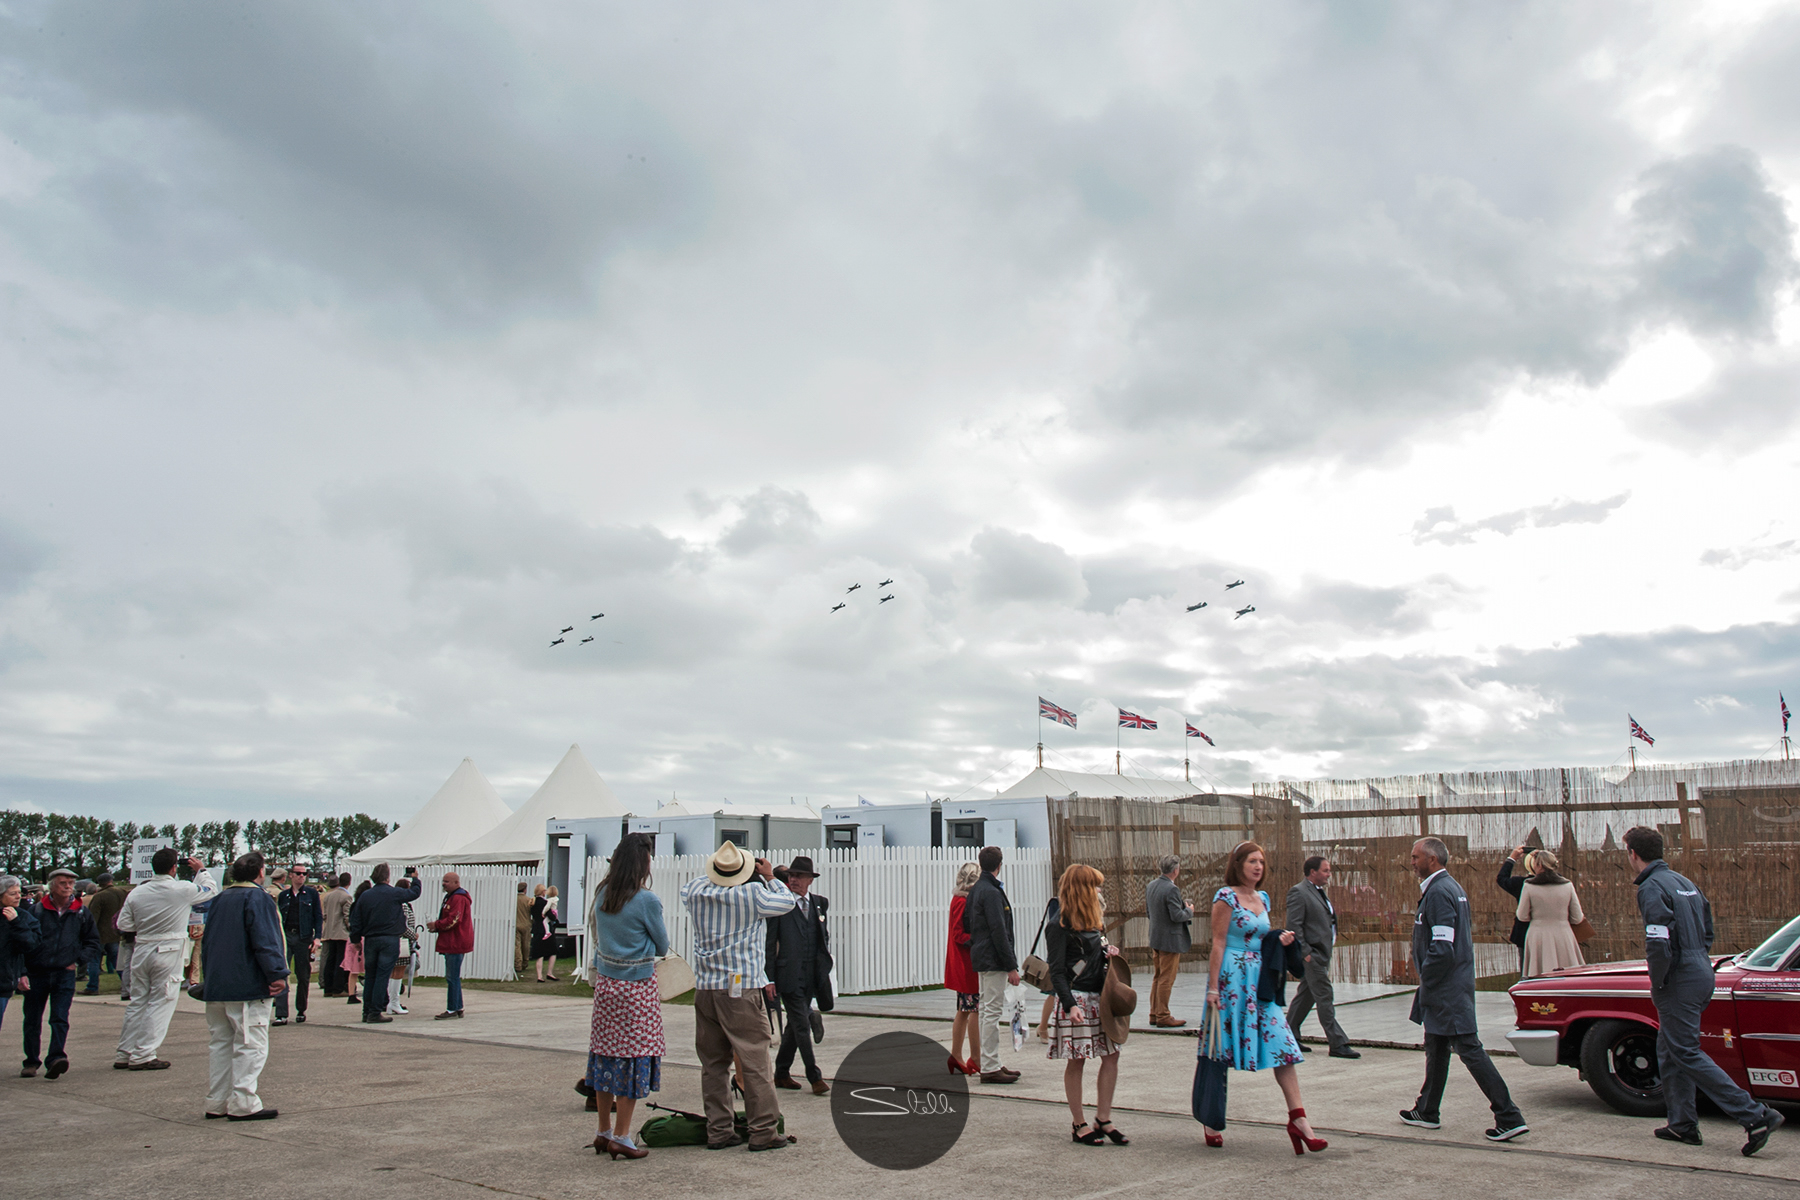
{"points": [[1599, 1019]]}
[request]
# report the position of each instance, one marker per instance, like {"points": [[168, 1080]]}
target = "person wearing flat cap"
{"points": [[729, 906], [799, 958]]}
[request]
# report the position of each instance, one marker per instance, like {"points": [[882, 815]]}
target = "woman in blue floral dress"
{"points": [[1253, 1034]]}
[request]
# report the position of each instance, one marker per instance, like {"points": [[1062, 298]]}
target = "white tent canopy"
{"points": [[1058, 784], [573, 791], [464, 808]]}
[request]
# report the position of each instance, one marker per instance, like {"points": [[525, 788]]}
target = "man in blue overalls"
{"points": [[1678, 933]]}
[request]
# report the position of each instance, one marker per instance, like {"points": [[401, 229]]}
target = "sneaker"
{"points": [[1668, 1134], [1758, 1134], [58, 1065], [1418, 1120], [279, 1021], [1508, 1134]]}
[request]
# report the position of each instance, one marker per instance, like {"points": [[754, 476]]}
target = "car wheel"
{"points": [[1618, 1060]]}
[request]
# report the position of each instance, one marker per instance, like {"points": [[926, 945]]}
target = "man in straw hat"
{"points": [[730, 941]]}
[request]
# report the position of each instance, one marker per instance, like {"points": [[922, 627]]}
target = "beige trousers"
{"points": [[1168, 965], [723, 1026]]}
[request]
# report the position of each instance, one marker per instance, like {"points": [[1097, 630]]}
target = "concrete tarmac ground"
{"points": [[485, 1106]]}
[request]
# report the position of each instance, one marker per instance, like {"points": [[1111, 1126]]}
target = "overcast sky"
{"points": [[349, 351]]}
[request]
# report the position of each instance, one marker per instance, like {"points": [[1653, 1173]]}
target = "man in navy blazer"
{"points": [[244, 962], [1443, 953]]}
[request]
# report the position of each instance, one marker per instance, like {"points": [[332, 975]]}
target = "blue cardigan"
{"points": [[628, 942], [243, 950]]}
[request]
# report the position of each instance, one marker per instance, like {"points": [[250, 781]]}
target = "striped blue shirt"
{"points": [[730, 934]]}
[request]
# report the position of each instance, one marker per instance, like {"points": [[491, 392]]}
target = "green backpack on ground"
{"points": [[685, 1129]]}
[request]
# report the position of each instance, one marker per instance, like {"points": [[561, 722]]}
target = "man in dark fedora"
{"points": [[799, 957]]}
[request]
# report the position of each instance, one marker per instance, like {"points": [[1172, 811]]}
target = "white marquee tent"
{"points": [[463, 809], [1047, 782], [573, 791]]}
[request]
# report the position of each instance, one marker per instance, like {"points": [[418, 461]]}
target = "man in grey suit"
{"points": [[1170, 916], [1314, 922], [1444, 955]]}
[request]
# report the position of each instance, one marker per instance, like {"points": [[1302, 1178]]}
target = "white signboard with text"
{"points": [[142, 851]]}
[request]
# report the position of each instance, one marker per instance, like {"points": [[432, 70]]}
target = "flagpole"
{"points": [[1040, 734], [1118, 747]]}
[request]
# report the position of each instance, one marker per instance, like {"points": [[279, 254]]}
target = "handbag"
{"points": [[1035, 970], [1584, 931], [1210, 1074]]}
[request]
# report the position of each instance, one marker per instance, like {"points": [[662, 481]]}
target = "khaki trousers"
{"points": [[723, 1025], [521, 950], [993, 1000], [1168, 965]]}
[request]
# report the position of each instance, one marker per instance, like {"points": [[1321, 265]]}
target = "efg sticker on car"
{"points": [[1784, 1079]]}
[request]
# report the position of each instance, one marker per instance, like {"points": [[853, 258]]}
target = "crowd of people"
{"points": [[762, 960]]}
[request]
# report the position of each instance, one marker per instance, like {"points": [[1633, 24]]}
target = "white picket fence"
{"points": [[890, 908], [494, 898]]}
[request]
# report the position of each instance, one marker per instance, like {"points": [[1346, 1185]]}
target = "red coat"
{"points": [[455, 926], [959, 972]]}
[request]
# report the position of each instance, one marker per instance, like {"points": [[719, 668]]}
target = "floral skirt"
{"points": [[624, 1078], [968, 1002], [1085, 1038], [627, 1021]]}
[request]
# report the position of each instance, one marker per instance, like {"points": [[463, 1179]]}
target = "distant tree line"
{"points": [[33, 844]]}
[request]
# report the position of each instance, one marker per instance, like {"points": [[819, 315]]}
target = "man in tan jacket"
{"points": [[333, 980], [522, 932]]}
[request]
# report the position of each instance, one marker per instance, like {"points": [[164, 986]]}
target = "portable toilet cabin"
{"points": [[848, 826], [1020, 823], [755, 830]]}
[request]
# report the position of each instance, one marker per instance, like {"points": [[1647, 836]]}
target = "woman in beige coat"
{"points": [[1549, 902]]}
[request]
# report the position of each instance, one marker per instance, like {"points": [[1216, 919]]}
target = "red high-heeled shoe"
{"points": [[1302, 1143], [972, 1067], [1215, 1140], [957, 1066]]}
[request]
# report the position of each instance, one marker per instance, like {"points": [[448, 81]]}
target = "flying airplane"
{"points": [[1248, 608], [557, 642], [1196, 607], [1234, 583], [884, 583], [851, 588], [586, 640], [837, 606], [567, 629], [886, 598], [596, 616]]}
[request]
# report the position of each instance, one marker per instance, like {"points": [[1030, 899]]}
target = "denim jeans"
{"points": [[56, 989], [379, 956], [453, 982], [3, 1000]]}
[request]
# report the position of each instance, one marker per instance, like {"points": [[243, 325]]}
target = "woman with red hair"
{"points": [[1078, 964]]}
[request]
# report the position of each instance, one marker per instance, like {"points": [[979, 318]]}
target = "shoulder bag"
{"points": [[1035, 970]]}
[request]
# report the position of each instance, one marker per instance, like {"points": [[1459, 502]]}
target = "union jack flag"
{"points": [[1061, 716], [1130, 720], [1192, 732], [1637, 731], [1784, 712]]}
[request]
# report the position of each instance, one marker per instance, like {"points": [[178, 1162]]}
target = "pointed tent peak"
{"points": [[572, 791], [466, 806], [1609, 844]]}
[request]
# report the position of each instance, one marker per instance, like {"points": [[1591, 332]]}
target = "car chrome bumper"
{"points": [[1537, 1047]]}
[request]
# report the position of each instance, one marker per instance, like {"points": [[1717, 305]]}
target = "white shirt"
{"points": [[1426, 882], [157, 911]]}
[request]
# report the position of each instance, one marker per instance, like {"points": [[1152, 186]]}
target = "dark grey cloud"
{"points": [[1441, 525], [1715, 242]]}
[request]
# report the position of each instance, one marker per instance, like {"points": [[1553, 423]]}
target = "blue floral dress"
{"points": [[1255, 1032]]}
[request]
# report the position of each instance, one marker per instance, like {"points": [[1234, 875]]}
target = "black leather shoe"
{"points": [[1691, 1138], [58, 1065], [1344, 1052], [1305, 1049], [382, 1019], [300, 1019], [215, 1116], [279, 1021], [267, 1114]]}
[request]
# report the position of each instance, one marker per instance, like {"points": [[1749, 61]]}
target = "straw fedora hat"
{"points": [[1117, 1001], [730, 865]]}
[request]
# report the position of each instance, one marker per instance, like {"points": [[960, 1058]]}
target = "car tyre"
{"points": [[1618, 1060]]}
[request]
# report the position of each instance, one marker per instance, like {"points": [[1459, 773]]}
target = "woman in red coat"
{"points": [[455, 931], [959, 977]]}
